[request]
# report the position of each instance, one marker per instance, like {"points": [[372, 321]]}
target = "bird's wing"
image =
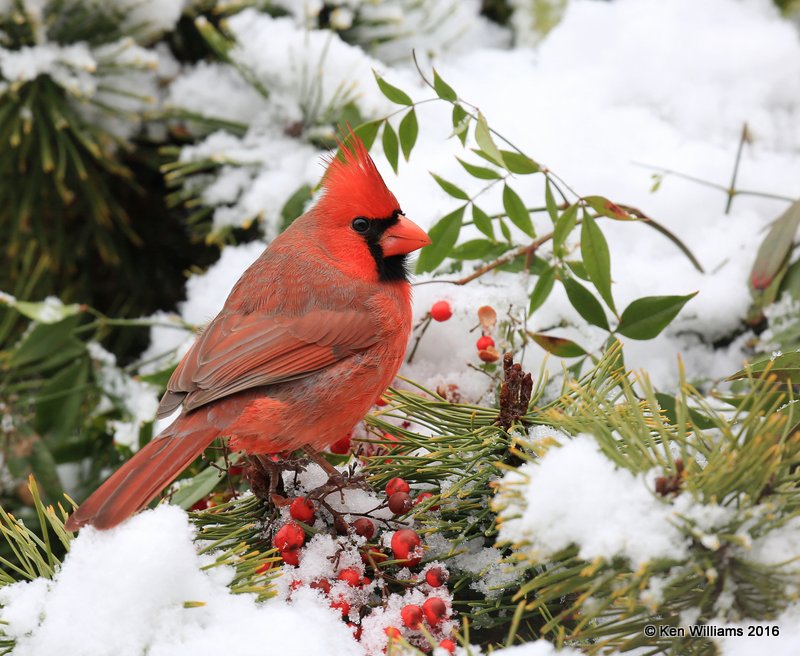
{"points": [[237, 352]]}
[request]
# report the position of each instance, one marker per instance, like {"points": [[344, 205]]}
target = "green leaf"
{"points": [[596, 259], [460, 123], [294, 207], [485, 142], [43, 466], [578, 269], [450, 188], [775, 247], [390, 146], [517, 212], [560, 346], [43, 340], [669, 405], [646, 317], [585, 303], [443, 90], [605, 207], [44, 311], [443, 237], [60, 400], [408, 131], [791, 281], [550, 202], [480, 172], [564, 225], [785, 366], [505, 230], [368, 132], [478, 249], [518, 163], [199, 487], [392, 92], [542, 289], [482, 221]]}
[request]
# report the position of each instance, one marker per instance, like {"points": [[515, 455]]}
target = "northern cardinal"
{"points": [[308, 339]]}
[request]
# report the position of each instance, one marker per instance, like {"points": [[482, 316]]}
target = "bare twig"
{"points": [[422, 326], [732, 187], [714, 185]]}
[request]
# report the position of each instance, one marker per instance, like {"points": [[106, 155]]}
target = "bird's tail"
{"points": [[140, 479]]}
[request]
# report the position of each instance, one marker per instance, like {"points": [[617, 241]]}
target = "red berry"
{"points": [[441, 311], [365, 581], [436, 577], [264, 567], [448, 645], [291, 556], [342, 606], [405, 544], [302, 510], [200, 505], [434, 610], [392, 632], [290, 536], [235, 470], [321, 584], [356, 630], [411, 616], [400, 503], [351, 576], [397, 485], [389, 438], [424, 496], [484, 343], [364, 527], [381, 402], [341, 447]]}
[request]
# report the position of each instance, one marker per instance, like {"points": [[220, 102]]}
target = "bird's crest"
{"points": [[352, 185]]}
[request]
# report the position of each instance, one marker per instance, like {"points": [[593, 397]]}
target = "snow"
{"points": [[123, 591], [535, 648], [605, 510]]}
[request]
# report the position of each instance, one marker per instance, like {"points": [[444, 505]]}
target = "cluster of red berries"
{"points": [[358, 586]]}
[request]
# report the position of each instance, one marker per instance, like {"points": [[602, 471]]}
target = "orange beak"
{"points": [[403, 237]]}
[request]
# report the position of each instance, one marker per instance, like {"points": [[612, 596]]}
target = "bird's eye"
{"points": [[360, 225]]}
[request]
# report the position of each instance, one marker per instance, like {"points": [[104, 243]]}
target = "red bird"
{"points": [[308, 339]]}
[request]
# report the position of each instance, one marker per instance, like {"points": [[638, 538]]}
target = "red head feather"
{"points": [[352, 185]]}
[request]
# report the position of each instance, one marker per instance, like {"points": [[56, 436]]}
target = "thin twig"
{"points": [[708, 183], [732, 187], [424, 326], [505, 140], [527, 251]]}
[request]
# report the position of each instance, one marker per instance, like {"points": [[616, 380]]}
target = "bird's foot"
{"points": [[265, 477], [339, 482]]}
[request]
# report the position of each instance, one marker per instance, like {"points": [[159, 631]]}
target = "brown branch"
{"points": [[515, 393], [528, 251]]}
